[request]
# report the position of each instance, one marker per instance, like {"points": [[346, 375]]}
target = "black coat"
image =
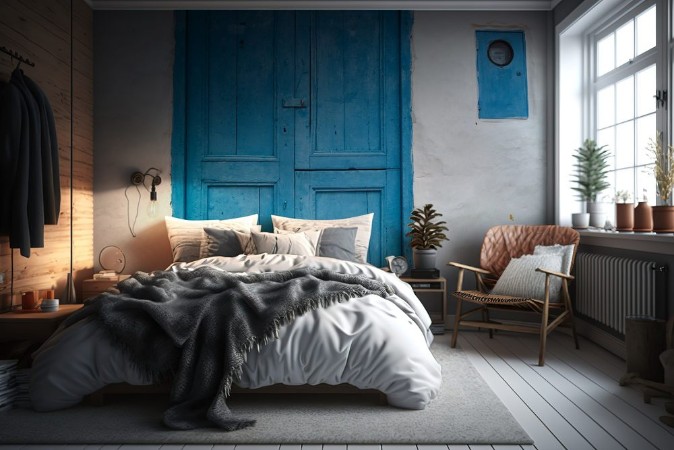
{"points": [[26, 148]]}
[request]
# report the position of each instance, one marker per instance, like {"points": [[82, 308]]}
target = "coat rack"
{"points": [[17, 56]]}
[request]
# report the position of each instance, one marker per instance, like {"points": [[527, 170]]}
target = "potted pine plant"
{"points": [[592, 162], [427, 236], [663, 170]]}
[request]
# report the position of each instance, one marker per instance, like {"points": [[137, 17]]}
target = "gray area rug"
{"points": [[465, 412]]}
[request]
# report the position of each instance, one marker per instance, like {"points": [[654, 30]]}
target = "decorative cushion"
{"points": [[336, 242], [186, 236], [520, 278], [566, 251], [289, 244], [362, 223], [219, 242]]}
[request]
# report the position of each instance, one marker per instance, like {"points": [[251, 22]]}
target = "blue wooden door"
{"points": [[296, 114]]}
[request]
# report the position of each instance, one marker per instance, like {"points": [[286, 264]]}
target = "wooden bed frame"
{"points": [[98, 397]]}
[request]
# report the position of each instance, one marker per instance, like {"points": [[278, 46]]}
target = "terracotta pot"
{"points": [[643, 217], [624, 216], [663, 219]]}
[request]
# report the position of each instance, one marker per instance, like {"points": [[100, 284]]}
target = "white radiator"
{"points": [[609, 288]]}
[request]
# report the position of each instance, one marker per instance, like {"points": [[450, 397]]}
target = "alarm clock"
{"points": [[397, 264]]}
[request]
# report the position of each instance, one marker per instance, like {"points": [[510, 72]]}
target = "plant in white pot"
{"points": [[592, 162], [427, 236]]}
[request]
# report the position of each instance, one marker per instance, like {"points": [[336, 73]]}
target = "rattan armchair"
{"points": [[500, 245]]}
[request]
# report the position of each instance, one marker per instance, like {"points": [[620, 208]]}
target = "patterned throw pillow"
{"points": [[362, 223], [288, 244], [186, 236], [565, 250], [520, 278], [219, 242]]}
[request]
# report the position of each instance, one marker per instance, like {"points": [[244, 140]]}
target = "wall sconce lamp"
{"points": [[138, 178]]}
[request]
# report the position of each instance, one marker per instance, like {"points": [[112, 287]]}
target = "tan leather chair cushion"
{"points": [[504, 242]]}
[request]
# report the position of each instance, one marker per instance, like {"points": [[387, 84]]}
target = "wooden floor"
{"points": [[573, 402]]}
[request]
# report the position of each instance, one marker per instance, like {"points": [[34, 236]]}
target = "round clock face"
{"points": [[500, 53], [112, 258], [397, 264]]}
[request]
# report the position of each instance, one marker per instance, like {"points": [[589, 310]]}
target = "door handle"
{"points": [[294, 103]]}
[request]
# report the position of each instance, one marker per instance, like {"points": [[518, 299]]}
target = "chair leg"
{"points": [[569, 308], [543, 334], [457, 320], [485, 318]]}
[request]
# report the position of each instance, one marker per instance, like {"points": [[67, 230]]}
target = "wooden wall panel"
{"points": [[41, 31]]}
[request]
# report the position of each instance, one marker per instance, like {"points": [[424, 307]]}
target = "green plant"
{"points": [[592, 170], [425, 232], [622, 196], [663, 167]]}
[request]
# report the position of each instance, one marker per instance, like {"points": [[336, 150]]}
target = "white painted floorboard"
{"points": [[573, 402]]}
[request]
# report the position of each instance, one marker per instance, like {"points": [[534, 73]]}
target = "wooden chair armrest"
{"points": [[557, 274], [471, 268]]}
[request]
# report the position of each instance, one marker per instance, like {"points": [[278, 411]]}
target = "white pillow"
{"points": [[566, 251], [362, 223], [186, 236], [520, 278], [287, 244]]}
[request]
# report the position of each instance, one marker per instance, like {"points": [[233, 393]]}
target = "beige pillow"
{"points": [[187, 236], [362, 223]]}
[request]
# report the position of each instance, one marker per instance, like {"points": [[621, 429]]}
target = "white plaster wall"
{"points": [[476, 172], [133, 107]]}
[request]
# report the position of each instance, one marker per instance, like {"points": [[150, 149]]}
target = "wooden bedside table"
{"points": [[91, 288], [433, 295], [35, 327]]}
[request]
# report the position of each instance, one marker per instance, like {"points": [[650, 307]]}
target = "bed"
{"points": [[378, 341]]}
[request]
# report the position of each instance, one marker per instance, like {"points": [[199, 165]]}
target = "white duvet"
{"points": [[369, 342]]}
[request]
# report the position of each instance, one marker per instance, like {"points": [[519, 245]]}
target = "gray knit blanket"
{"points": [[197, 326]]}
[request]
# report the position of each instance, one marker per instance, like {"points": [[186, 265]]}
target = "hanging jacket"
{"points": [[51, 182], [14, 152]]}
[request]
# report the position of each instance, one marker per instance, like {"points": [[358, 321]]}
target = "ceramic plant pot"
{"points": [[424, 258], [580, 220], [624, 216], [598, 213], [643, 217], [663, 219]]}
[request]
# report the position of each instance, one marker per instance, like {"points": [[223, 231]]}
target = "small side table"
{"points": [[91, 287], [33, 326], [432, 290], [22, 333]]}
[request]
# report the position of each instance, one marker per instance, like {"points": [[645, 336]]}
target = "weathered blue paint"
{"points": [[333, 194], [278, 104], [406, 163], [502, 90]]}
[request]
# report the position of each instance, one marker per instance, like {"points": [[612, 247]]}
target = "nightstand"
{"points": [[22, 333], [91, 288], [433, 295]]}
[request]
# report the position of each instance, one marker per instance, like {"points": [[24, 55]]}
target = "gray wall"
{"points": [[133, 107], [475, 172]]}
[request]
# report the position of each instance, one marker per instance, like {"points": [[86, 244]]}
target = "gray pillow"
{"points": [[220, 242], [337, 243], [520, 278]]}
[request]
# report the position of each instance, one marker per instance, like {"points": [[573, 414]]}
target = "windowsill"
{"points": [[662, 243]]}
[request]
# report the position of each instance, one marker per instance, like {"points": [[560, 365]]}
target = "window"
{"points": [[623, 89], [612, 67]]}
